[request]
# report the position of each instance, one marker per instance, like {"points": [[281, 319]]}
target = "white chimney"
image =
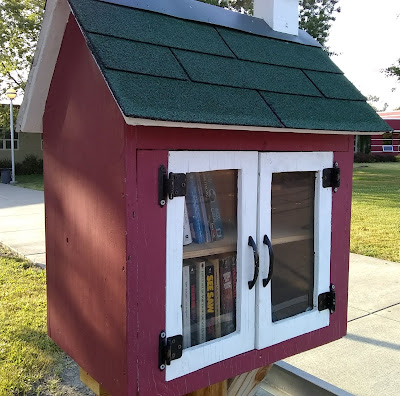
{"points": [[281, 15]]}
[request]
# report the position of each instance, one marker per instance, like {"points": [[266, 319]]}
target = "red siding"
{"points": [[151, 260], [85, 216]]}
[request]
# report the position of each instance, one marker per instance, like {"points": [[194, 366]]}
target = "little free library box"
{"points": [[198, 177]]}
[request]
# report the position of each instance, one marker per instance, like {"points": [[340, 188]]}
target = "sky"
{"points": [[366, 35]]}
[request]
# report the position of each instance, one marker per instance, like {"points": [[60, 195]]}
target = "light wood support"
{"points": [[220, 389], [92, 384], [242, 385]]}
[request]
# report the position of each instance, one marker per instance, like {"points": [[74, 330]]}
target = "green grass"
{"points": [[375, 228], [35, 182], [27, 354]]}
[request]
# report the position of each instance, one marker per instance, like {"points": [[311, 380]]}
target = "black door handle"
{"points": [[256, 262], [267, 242]]}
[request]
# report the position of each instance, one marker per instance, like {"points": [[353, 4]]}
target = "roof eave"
{"points": [[173, 124], [30, 117]]}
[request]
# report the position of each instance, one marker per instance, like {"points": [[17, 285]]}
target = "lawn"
{"points": [[375, 228], [35, 182], [27, 355]]}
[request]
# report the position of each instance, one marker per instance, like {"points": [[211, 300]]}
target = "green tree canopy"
{"points": [[393, 71], [316, 16], [19, 30]]}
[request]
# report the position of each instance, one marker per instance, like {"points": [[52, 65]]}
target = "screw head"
{"points": [[163, 335], [162, 367], [162, 202]]}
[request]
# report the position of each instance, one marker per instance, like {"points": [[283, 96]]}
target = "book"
{"points": [[211, 205], [203, 211], [186, 307], [210, 301], [187, 235], [234, 288], [217, 297], [193, 308], [227, 319], [201, 300], [193, 208]]}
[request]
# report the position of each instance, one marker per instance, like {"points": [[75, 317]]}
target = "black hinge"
{"points": [[331, 177], [169, 349], [327, 300], [172, 186]]}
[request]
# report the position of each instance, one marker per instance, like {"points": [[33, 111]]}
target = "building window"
{"points": [[387, 139], [5, 141]]}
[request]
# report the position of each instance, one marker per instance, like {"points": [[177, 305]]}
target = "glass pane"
{"points": [[209, 256], [292, 225], [8, 144]]}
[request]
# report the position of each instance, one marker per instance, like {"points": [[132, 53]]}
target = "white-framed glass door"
{"points": [[209, 261], [294, 214]]}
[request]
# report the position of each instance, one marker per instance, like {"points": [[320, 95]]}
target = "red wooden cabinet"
{"points": [[275, 196]]}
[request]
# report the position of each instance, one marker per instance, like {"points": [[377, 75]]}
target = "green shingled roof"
{"points": [[164, 68]]}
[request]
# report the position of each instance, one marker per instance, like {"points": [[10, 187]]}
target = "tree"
{"points": [[373, 101], [316, 16], [393, 71], [19, 30]]}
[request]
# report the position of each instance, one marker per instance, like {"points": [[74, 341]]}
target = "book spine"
{"points": [[210, 302], [187, 235], [217, 294], [212, 207], [234, 288], [193, 306], [227, 325], [193, 208], [186, 306], [201, 301], [203, 210]]}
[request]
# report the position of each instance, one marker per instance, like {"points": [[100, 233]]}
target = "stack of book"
{"points": [[202, 222], [208, 298]]}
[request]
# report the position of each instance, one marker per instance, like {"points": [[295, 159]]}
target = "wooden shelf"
{"points": [[225, 245], [228, 244]]}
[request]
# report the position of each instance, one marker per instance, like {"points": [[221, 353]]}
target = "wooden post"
{"points": [[246, 383], [92, 384], [242, 385], [219, 389]]}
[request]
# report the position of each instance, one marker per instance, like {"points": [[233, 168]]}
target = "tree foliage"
{"points": [[393, 71], [19, 30], [315, 16], [375, 102]]}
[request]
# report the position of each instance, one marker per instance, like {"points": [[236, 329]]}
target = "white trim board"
{"points": [[55, 20], [174, 124]]}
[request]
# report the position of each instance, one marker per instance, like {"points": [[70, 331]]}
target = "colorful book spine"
{"points": [[212, 207], [193, 308], [203, 210], [234, 288], [186, 307], [201, 300], [187, 235], [217, 295], [193, 209], [210, 301], [227, 323]]}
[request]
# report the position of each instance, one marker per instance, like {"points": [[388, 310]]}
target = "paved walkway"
{"points": [[22, 222], [365, 362]]}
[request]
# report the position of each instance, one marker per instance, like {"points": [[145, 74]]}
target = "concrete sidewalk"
{"points": [[365, 362], [22, 222]]}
